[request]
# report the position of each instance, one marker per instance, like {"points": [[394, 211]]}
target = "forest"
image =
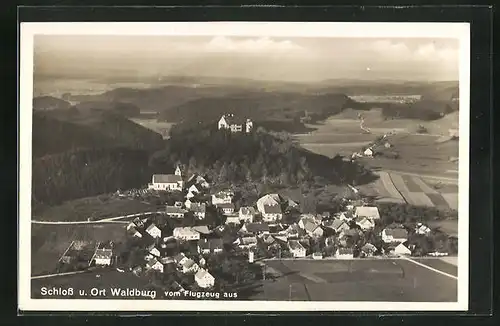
{"points": [[260, 156]]}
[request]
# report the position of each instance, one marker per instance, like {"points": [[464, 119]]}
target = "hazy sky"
{"points": [[291, 59]]}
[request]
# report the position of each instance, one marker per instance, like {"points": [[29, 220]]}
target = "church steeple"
{"points": [[178, 171]]}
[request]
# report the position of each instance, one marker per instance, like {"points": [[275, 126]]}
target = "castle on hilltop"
{"points": [[235, 124]]}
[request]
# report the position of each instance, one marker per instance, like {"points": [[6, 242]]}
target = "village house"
{"points": [[202, 182], [199, 210], [317, 255], [188, 203], [154, 251], [235, 124], [277, 229], [102, 257], [175, 212], [132, 230], [313, 229], [370, 212], [189, 266], [246, 242], [233, 219], [155, 265], [296, 248], [270, 207], [401, 249], [338, 226], [304, 218], [227, 208], [368, 152], [180, 258], [344, 253], [167, 182], [204, 279], [223, 197], [422, 229], [186, 233], [394, 234], [254, 228], [271, 213], [246, 214], [368, 250], [194, 189], [364, 223], [153, 231], [202, 229], [293, 231], [213, 245], [268, 240]]}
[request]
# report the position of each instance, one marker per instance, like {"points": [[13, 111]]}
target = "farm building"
{"points": [[155, 264], [422, 229], [199, 210], [396, 234], [189, 266], [103, 257], [206, 246], [232, 219], [247, 214], [223, 197], [153, 231], [296, 248], [186, 233], [254, 228], [175, 211], [364, 223], [344, 253], [246, 242], [336, 225], [370, 212], [401, 249], [204, 279], [227, 208]]}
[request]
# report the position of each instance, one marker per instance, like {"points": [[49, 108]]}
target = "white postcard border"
{"points": [[271, 29]]}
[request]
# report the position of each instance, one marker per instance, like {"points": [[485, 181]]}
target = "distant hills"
{"points": [[199, 99]]}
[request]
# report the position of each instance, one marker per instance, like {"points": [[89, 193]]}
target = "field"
{"points": [[160, 127], [357, 280], [48, 242], [419, 153], [93, 208]]}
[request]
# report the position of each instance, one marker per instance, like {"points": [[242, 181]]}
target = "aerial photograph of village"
{"points": [[245, 168]]}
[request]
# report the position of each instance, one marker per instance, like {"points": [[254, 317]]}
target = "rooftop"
{"points": [[212, 244], [166, 178], [398, 233], [295, 245], [247, 210], [256, 227], [174, 210], [225, 205], [103, 253], [367, 211], [272, 209]]}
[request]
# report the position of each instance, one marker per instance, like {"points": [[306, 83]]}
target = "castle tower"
{"points": [[248, 125], [178, 171]]}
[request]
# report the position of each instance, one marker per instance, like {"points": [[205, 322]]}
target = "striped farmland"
{"points": [[411, 184], [452, 200], [389, 186], [418, 199], [424, 186], [438, 200]]}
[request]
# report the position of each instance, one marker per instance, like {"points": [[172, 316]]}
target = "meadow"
{"points": [[48, 242], [357, 280], [92, 208]]}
